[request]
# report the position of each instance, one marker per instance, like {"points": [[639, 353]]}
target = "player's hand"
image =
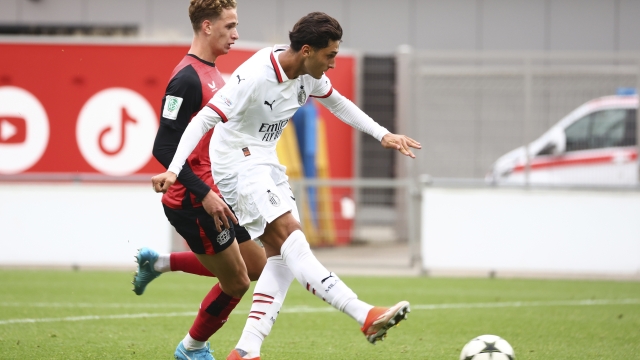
{"points": [[401, 143], [162, 182], [219, 211]]}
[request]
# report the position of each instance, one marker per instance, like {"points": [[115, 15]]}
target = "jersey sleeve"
{"points": [[182, 99], [351, 115], [205, 120], [233, 99], [322, 88]]}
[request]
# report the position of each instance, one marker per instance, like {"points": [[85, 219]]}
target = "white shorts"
{"points": [[256, 198]]}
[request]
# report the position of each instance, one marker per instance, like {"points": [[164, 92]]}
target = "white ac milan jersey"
{"points": [[250, 112], [255, 105]]}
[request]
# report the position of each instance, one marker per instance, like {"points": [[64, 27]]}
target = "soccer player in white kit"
{"points": [[249, 114]]}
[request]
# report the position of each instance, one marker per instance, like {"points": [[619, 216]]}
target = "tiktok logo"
{"points": [[115, 131], [24, 130], [125, 119]]}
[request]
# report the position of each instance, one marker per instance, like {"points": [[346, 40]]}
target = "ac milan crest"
{"points": [[273, 198], [302, 96]]}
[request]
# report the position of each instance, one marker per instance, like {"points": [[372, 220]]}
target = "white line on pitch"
{"points": [[527, 304], [96, 317], [97, 305], [308, 309]]}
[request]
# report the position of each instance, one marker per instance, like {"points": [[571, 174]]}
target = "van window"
{"points": [[630, 137], [578, 134], [602, 129]]}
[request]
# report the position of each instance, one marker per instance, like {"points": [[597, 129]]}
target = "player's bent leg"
{"points": [[328, 286], [187, 262], [151, 265], [146, 259]]}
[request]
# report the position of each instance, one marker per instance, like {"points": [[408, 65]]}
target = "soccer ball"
{"points": [[487, 347]]}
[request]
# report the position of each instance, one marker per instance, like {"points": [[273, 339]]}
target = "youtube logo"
{"points": [[24, 130], [13, 130]]}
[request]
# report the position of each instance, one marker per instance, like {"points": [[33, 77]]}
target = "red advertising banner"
{"points": [[68, 108]]}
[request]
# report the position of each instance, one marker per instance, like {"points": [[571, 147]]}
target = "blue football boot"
{"points": [[200, 354], [145, 258]]}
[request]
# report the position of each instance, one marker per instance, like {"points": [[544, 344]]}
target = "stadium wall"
{"points": [[375, 26], [519, 232], [88, 225]]}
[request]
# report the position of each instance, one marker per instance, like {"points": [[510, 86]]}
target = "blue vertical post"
{"points": [[306, 123]]}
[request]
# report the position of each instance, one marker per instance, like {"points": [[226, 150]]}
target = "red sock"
{"points": [[214, 312], [187, 262]]}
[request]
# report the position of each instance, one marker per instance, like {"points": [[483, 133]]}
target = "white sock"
{"points": [[163, 264], [358, 310], [268, 296], [191, 344], [317, 279]]}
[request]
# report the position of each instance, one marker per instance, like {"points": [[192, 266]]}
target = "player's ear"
{"points": [[206, 27], [306, 50]]}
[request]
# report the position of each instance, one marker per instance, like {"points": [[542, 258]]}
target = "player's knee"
{"points": [[237, 287], [243, 284]]}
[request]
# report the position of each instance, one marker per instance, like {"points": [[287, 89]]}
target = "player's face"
{"points": [[224, 32], [321, 60]]}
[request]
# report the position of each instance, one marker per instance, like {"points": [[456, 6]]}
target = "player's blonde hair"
{"points": [[201, 10]]}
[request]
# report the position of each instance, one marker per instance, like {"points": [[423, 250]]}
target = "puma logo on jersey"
{"points": [[270, 105], [327, 278], [239, 79]]}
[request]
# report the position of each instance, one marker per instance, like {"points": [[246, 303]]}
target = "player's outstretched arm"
{"points": [[349, 113], [401, 143]]}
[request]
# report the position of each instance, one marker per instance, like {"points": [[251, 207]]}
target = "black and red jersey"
{"points": [[193, 82]]}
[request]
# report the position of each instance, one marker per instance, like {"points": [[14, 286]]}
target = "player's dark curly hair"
{"points": [[316, 30], [201, 10]]}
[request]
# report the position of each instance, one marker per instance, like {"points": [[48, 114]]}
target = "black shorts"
{"points": [[196, 226]]}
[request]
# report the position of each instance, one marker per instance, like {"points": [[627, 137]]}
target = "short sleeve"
{"points": [[322, 88], [233, 99], [183, 98]]}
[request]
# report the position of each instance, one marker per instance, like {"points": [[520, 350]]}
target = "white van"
{"points": [[594, 145]]}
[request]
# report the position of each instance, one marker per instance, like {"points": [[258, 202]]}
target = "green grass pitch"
{"points": [[95, 315]]}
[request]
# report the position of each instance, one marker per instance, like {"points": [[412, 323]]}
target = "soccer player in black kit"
{"points": [[195, 207]]}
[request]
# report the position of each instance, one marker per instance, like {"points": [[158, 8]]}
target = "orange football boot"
{"points": [[381, 319], [235, 355]]}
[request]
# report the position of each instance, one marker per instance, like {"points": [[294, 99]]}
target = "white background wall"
{"points": [[377, 26], [530, 231], [85, 225]]}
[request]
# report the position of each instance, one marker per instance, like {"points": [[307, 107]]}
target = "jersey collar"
{"points": [[277, 68]]}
